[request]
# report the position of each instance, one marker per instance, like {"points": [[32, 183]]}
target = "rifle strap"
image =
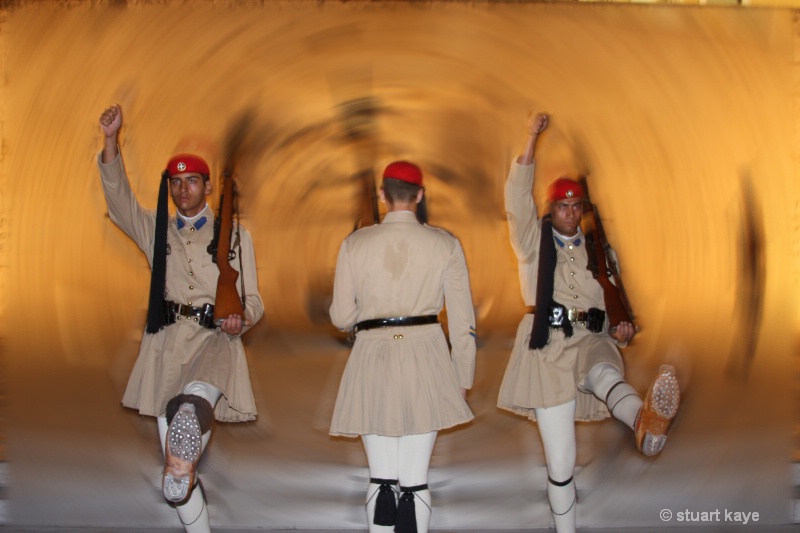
{"points": [[238, 244]]}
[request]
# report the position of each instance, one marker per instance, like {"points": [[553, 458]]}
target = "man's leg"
{"points": [[185, 433], [606, 382], [415, 459], [649, 419], [557, 429], [382, 453]]}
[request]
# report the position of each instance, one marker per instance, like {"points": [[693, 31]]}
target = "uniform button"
{"points": [[195, 319], [190, 303], [192, 287], [571, 286], [399, 336], [188, 242], [192, 274], [570, 247], [189, 260], [576, 296], [571, 273], [571, 258], [179, 317], [192, 229]]}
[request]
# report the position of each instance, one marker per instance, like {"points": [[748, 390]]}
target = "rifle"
{"points": [[227, 300], [369, 213], [618, 308]]}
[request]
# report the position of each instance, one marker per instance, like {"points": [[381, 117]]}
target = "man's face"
{"points": [[567, 215], [189, 191]]}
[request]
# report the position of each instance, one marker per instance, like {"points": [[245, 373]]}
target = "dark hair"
{"points": [[399, 191]]}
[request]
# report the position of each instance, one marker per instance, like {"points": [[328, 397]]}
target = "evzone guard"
{"points": [[191, 366], [565, 365]]}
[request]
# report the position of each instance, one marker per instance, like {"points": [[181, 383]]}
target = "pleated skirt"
{"points": [[554, 374], [399, 381], [185, 352]]}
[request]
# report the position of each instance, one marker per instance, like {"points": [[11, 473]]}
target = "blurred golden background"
{"points": [[685, 119]]}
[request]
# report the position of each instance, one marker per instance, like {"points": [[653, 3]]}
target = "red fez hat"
{"points": [[182, 163], [564, 188], [404, 171]]}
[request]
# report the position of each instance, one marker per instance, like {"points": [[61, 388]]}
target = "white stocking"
{"points": [[557, 429], [415, 460], [382, 459], [606, 382], [407, 459]]}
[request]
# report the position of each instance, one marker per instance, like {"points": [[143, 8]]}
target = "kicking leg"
{"points": [[184, 433], [606, 382]]}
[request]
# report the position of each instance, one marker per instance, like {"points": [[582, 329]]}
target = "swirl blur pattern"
{"points": [[685, 121]]}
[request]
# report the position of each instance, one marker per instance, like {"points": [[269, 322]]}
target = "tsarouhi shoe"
{"points": [[655, 416], [182, 451]]}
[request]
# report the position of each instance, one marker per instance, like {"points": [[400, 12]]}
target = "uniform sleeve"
{"points": [[254, 305], [521, 212], [460, 316], [124, 209], [344, 309]]}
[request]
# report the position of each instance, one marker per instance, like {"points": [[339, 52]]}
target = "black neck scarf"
{"points": [[158, 273], [540, 333]]}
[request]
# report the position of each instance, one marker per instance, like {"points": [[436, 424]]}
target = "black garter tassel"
{"points": [[406, 510], [385, 504]]}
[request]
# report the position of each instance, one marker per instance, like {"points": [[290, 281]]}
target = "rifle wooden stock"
{"points": [[370, 214], [228, 302], [604, 267]]}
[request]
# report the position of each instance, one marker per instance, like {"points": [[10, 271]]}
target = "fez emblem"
{"points": [[570, 194], [181, 166]]}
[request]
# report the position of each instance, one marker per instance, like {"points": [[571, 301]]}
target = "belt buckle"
{"points": [[572, 315]]}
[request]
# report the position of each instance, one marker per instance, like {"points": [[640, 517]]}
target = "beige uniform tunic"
{"points": [[403, 380], [552, 375], [185, 351]]}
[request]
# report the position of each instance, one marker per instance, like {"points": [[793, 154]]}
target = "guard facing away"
{"points": [[402, 383], [566, 365], [191, 366]]}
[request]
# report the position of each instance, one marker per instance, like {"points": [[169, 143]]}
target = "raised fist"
{"points": [[111, 121]]}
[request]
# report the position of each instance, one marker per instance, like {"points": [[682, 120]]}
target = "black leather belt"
{"points": [[204, 315], [395, 321], [592, 319]]}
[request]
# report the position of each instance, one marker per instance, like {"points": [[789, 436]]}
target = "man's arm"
{"points": [[460, 316], [520, 209], [344, 308], [536, 125], [123, 207]]}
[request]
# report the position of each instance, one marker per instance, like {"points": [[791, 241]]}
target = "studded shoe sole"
{"points": [[181, 454], [655, 416]]}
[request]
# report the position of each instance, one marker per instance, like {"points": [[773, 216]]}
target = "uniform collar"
{"points": [[400, 216], [575, 240], [197, 221]]}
